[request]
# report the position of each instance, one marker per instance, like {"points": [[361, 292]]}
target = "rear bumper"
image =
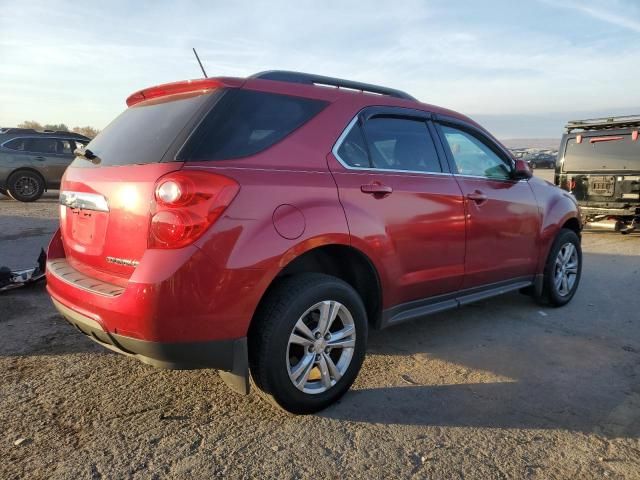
{"points": [[230, 356], [218, 354], [617, 212]]}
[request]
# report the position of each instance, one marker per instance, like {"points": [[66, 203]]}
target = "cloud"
{"points": [[480, 57], [605, 12]]}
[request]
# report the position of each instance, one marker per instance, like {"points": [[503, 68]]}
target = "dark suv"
{"points": [[262, 225], [600, 164], [33, 161], [540, 160]]}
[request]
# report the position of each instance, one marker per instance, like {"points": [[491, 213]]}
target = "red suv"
{"points": [[261, 226]]}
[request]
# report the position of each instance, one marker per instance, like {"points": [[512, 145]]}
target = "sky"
{"points": [[522, 69]]}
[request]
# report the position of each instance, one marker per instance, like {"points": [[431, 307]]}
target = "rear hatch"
{"points": [[603, 167], [106, 200]]}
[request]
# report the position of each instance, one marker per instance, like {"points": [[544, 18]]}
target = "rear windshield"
{"points": [[143, 133], [622, 154], [246, 122]]}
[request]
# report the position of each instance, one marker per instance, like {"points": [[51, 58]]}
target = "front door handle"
{"points": [[477, 197], [376, 189]]}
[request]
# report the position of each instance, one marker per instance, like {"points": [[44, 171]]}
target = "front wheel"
{"points": [[563, 269], [307, 342]]}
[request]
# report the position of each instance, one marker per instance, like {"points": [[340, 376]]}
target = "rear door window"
{"points": [[401, 144], [42, 145], [246, 122], [619, 152]]}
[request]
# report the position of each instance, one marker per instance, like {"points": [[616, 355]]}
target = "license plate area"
{"points": [[602, 186], [82, 226]]}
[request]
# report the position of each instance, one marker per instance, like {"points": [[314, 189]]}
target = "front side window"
{"points": [[473, 157], [65, 147]]}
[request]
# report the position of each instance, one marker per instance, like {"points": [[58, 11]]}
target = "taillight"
{"points": [[186, 204]]}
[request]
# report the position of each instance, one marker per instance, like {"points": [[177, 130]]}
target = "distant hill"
{"points": [[543, 143]]}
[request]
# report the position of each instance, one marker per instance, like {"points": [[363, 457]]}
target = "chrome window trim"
{"points": [[32, 137], [344, 134], [84, 201]]}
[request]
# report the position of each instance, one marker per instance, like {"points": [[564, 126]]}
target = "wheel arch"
{"points": [[341, 261]]}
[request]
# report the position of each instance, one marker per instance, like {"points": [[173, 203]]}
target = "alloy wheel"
{"points": [[566, 269], [321, 347], [26, 186]]}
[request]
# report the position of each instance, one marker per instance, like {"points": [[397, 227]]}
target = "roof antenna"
{"points": [[200, 63]]}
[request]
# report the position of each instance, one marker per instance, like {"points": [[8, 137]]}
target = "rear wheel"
{"points": [[308, 341], [563, 269], [534, 165], [25, 186]]}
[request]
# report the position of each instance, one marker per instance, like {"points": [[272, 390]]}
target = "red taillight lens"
{"points": [[186, 204]]}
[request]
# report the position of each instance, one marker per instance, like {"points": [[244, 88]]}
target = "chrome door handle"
{"points": [[477, 197], [376, 189]]}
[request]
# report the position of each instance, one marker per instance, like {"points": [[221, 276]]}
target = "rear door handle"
{"points": [[477, 197], [40, 159], [376, 189]]}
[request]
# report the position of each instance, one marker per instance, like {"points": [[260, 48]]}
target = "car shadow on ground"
{"points": [[510, 363]]}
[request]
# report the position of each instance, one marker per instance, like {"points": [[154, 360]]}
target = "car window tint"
{"points": [[622, 153], [401, 144], [16, 144], [246, 122], [42, 145], [474, 157], [353, 150], [65, 147]]}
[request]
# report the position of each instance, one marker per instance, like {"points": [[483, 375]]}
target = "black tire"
{"points": [[551, 293], [25, 186], [534, 165], [269, 337]]}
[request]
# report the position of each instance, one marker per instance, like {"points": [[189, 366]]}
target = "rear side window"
{"points": [[246, 122], [144, 132], [18, 144], [595, 153]]}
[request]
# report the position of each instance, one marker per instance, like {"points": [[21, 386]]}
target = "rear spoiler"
{"points": [[187, 86]]}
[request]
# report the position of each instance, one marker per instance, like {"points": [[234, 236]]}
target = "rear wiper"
{"points": [[87, 155]]}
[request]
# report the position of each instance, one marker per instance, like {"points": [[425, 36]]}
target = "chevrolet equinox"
{"points": [[261, 226]]}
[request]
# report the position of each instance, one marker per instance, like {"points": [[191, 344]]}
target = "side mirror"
{"points": [[522, 170]]}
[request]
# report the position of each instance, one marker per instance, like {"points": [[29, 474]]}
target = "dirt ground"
{"points": [[499, 389]]}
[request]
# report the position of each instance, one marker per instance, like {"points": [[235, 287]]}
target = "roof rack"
{"points": [[604, 123], [33, 130], [311, 79]]}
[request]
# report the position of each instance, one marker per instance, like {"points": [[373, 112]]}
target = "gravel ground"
{"points": [[499, 389]]}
